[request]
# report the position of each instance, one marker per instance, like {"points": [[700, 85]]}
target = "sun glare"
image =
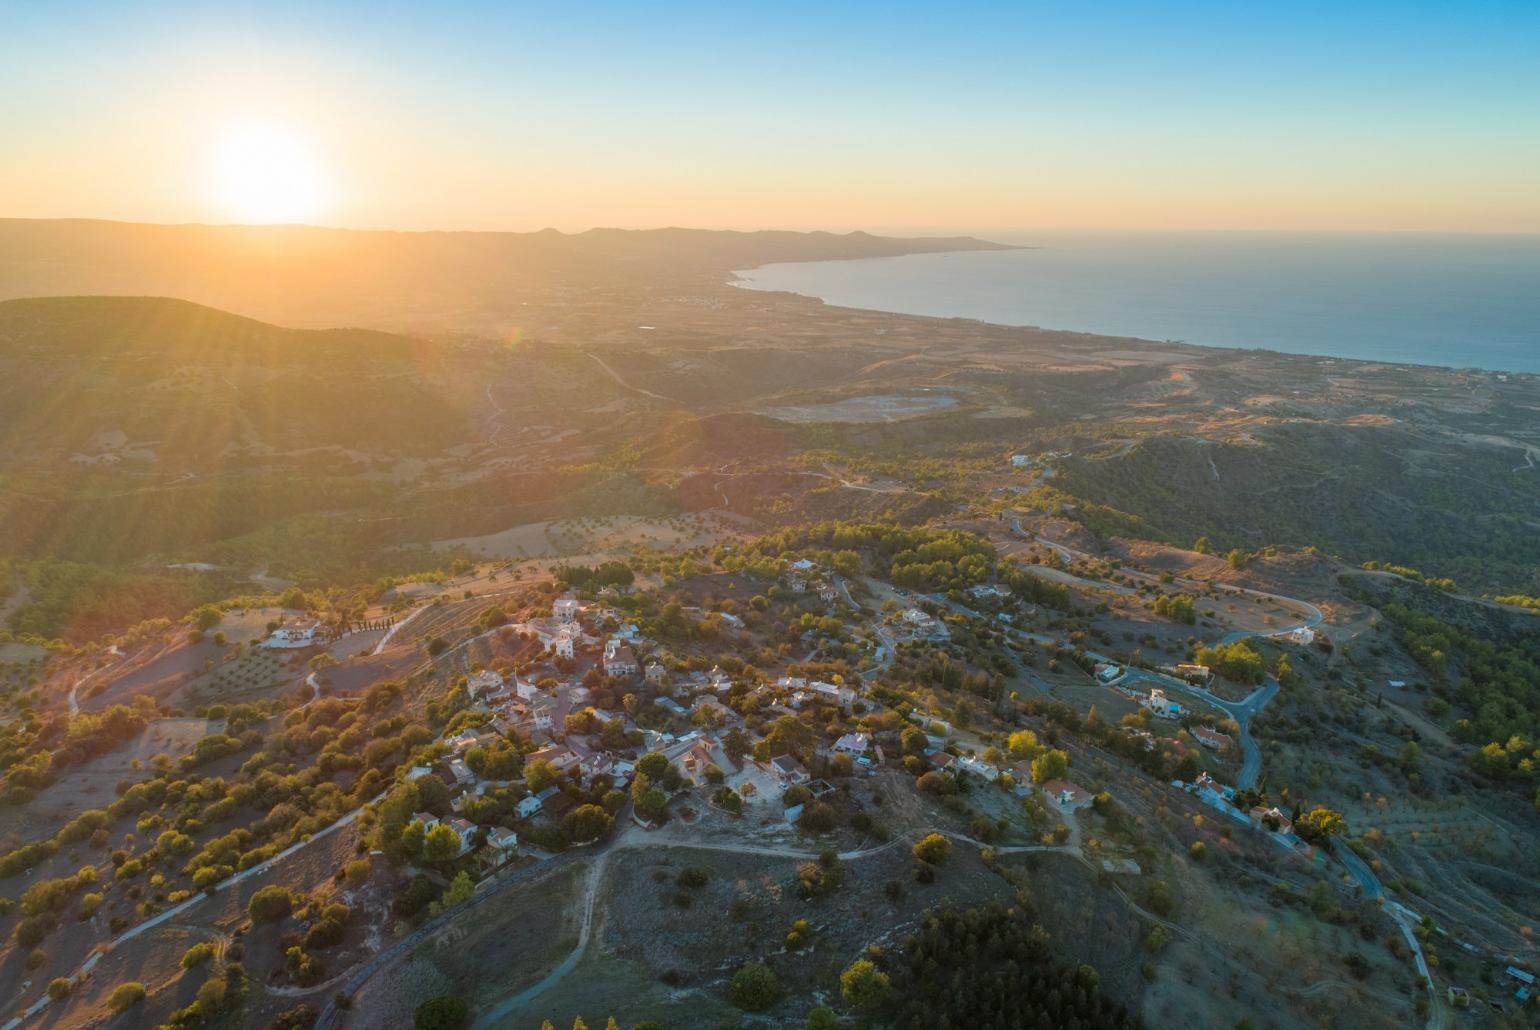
{"points": [[265, 173]]}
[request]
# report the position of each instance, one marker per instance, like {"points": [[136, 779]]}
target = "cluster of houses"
{"points": [[1270, 819], [804, 576]]}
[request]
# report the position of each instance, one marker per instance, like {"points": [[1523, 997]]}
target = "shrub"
{"points": [[754, 987], [693, 876], [933, 849], [270, 904], [864, 985], [125, 996], [59, 988], [197, 955], [31, 930], [301, 1017], [822, 1018], [443, 1012]]}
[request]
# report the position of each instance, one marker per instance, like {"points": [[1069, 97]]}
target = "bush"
{"points": [[125, 996], [197, 955], [270, 904], [933, 849], [864, 985], [301, 1017], [443, 1012], [822, 1018], [31, 930], [693, 876], [754, 987], [59, 988]]}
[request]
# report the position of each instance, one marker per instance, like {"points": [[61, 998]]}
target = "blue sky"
{"points": [[892, 116]]}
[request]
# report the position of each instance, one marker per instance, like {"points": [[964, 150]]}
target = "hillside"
{"points": [[114, 380]]}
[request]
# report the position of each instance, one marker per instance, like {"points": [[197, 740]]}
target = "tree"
{"points": [[539, 774], [650, 802], [1238, 661], [736, 745], [1022, 745], [653, 764], [442, 1012], [754, 987], [933, 849], [59, 988], [788, 736], [270, 904], [1319, 825], [125, 996], [1050, 765], [460, 889], [441, 846], [587, 823], [1203, 546], [864, 985]]}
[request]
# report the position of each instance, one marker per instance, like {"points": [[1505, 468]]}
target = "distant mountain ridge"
{"points": [[416, 281]]}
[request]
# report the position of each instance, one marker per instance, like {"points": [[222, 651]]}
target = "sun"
{"points": [[266, 173]]}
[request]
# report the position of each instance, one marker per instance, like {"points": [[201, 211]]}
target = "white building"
{"points": [[567, 609], [293, 633], [1159, 704]]}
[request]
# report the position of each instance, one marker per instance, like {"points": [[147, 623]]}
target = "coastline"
{"points": [[1420, 315]]}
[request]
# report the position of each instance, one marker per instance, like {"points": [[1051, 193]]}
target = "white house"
{"points": [[852, 744], [502, 840], [1159, 704], [980, 768], [836, 693], [619, 659], [563, 647], [788, 770], [534, 802], [293, 633], [542, 713], [566, 608], [466, 830], [526, 689], [1067, 794], [1301, 635]]}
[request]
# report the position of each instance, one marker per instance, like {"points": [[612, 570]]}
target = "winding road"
{"points": [[1242, 712]]}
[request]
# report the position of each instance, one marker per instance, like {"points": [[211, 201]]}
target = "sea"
{"points": [[1455, 300]]}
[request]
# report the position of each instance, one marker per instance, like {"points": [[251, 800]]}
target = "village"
{"points": [[767, 704]]}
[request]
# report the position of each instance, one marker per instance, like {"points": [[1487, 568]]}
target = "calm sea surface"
{"points": [[1465, 301]]}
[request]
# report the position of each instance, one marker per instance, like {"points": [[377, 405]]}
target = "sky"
{"points": [[886, 117]]}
